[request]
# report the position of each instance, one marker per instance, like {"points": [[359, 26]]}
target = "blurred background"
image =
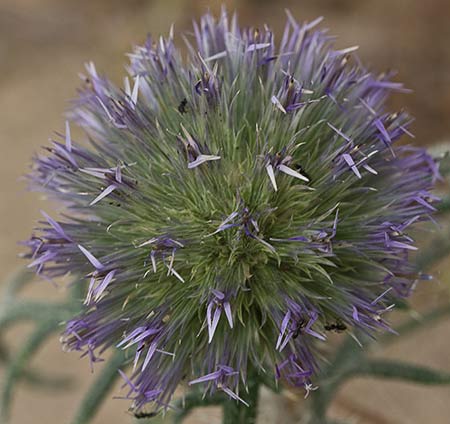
{"points": [[44, 45]]}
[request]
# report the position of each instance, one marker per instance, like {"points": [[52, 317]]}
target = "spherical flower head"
{"points": [[232, 208]]}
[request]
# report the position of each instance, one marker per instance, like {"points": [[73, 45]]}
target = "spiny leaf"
{"points": [[99, 389], [378, 368], [26, 310], [16, 282], [335, 373], [33, 377], [398, 370], [349, 355], [17, 366]]}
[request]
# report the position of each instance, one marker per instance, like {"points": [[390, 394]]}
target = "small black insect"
{"points": [[337, 326], [182, 106], [298, 328], [142, 415]]}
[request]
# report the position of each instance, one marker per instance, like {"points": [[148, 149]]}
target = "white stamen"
{"points": [[346, 51], [68, 138], [173, 272], [126, 83], [257, 46], [151, 241], [292, 173], [153, 263], [269, 170], [202, 159], [216, 56], [277, 103], [103, 194], [134, 94]]}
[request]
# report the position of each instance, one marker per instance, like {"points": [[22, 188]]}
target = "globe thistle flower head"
{"points": [[232, 208]]}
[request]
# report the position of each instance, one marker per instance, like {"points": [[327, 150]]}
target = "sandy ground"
{"points": [[43, 45]]}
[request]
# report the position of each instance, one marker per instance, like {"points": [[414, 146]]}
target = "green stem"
{"points": [[235, 412], [100, 388], [17, 366], [195, 400], [320, 402]]}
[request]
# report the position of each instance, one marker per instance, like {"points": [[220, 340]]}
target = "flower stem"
{"points": [[235, 412]]}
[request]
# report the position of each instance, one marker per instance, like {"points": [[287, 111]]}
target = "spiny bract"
{"points": [[232, 207]]}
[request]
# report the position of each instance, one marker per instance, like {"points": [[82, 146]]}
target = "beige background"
{"points": [[43, 45]]}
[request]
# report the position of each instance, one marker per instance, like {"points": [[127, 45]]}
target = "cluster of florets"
{"points": [[232, 208]]}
